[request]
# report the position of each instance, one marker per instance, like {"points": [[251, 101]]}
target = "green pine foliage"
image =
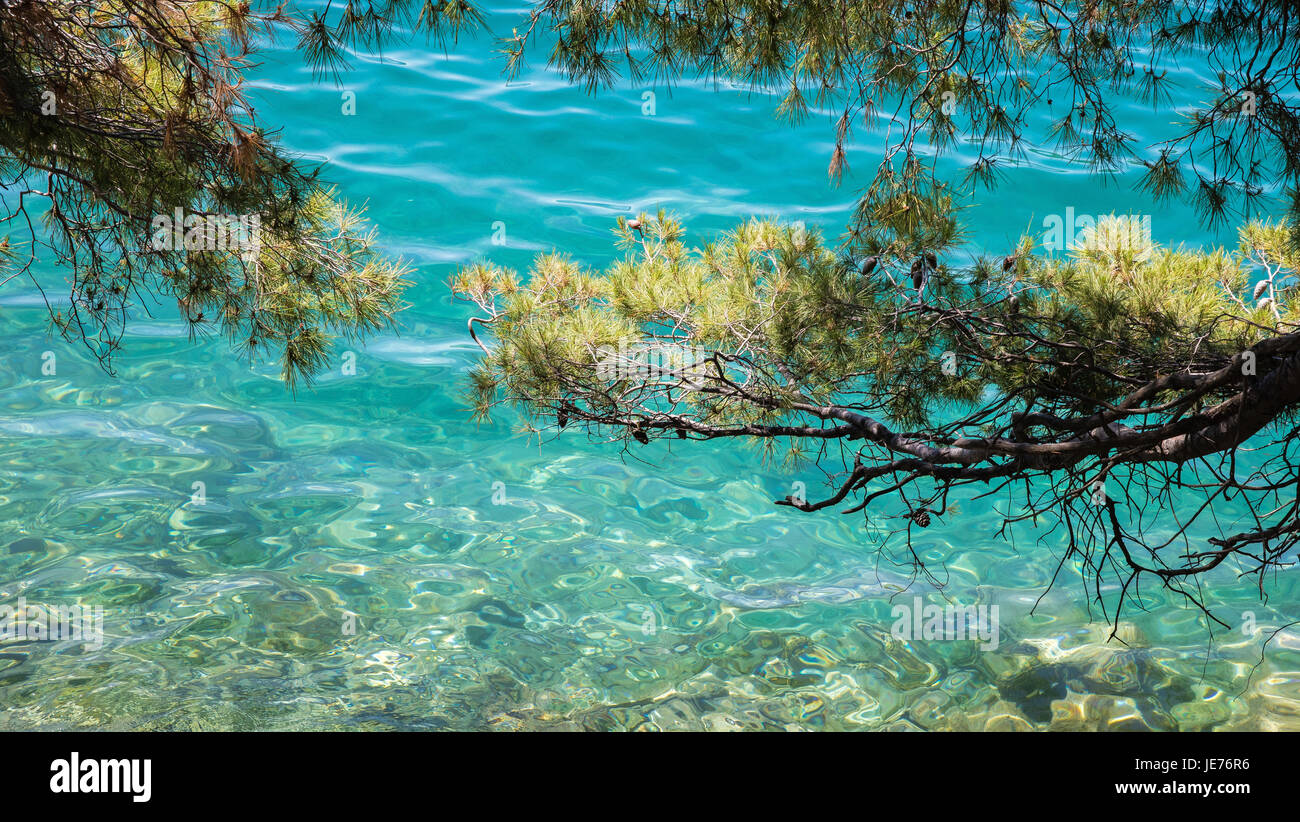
{"points": [[793, 323], [114, 113]]}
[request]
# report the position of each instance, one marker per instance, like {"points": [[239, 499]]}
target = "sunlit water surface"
{"points": [[354, 563]]}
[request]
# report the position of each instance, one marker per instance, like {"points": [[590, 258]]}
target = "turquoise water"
{"points": [[349, 566]]}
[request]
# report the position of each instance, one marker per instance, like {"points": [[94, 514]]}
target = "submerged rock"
{"points": [[1095, 684]]}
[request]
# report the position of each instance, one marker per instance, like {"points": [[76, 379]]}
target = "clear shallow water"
{"points": [[349, 568]]}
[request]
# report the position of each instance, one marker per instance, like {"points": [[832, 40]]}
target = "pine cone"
{"points": [[921, 517]]}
